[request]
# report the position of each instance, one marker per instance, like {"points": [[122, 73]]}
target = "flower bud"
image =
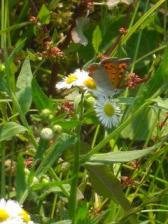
{"points": [[2, 67], [45, 112], [46, 134], [57, 128]]}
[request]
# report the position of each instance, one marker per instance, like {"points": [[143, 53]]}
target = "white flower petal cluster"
{"points": [[12, 213], [108, 112], [74, 79]]}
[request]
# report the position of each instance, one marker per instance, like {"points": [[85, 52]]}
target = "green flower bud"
{"points": [[2, 67], [57, 128], [45, 112], [46, 134]]}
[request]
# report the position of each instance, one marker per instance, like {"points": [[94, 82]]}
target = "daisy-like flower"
{"points": [[74, 79], [12, 213], [108, 112], [13, 220]]}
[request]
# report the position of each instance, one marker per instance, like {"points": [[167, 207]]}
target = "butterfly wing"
{"points": [[99, 74], [115, 68], [109, 72]]}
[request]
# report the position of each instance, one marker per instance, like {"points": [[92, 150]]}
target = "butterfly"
{"points": [[109, 73]]}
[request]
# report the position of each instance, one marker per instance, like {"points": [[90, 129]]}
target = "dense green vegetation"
{"points": [[72, 154]]}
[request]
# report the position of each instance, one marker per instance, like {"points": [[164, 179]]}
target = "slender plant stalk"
{"points": [[95, 136], [3, 179], [4, 21], [75, 172], [138, 42]]}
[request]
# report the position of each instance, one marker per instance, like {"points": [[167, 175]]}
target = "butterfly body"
{"points": [[109, 72]]}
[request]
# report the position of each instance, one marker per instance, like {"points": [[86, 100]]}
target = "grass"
{"points": [[57, 158]]}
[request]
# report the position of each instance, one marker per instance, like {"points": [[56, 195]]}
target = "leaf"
{"points": [[24, 92], [107, 185], [39, 98], [97, 39], [3, 85], [161, 103], [20, 178], [68, 124], [63, 142], [44, 14], [118, 157], [141, 126], [63, 222], [77, 34], [9, 130]]}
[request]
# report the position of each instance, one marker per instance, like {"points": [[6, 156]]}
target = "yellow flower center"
{"points": [[25, 216], [71, 78], [90, 83], [3, 215], [109, 109]]}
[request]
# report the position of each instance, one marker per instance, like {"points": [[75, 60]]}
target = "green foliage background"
{"points": [[84, 173]]}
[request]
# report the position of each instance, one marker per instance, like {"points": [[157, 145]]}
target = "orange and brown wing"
{"points": [[113, 73], [115, 70]]}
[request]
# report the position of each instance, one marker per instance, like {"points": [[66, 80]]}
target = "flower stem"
{"points": [[75, 171]]}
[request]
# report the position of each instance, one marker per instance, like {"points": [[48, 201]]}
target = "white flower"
{"points": [[12, 213], [67, 82], [8, 209], [82, 76], [108, 112], [14, 220], [74, 79]]}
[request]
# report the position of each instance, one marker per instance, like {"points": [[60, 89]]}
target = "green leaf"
{"points": [[40, 99], [3, 85], [97, 39], [44, 14], [20, 178], [141, 126], [119, 157], [161, 103], [63, 142], [107, 185], [68, 124], [9, 130], [63, 222], [24, 92]]}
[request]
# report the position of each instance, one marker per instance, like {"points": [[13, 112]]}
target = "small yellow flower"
{"points": [[109, 109], [25, 216], [74, 79], [90, 83], [71, 78], [3, 215]]}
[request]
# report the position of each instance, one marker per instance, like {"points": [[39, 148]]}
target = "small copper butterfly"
{"points": [[109, 73]]}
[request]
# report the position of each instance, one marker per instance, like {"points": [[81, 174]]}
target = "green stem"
{"points": [[2, 150], [4, 22], [138, 42], [75, 172], [95, 136], [150, 53]]}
